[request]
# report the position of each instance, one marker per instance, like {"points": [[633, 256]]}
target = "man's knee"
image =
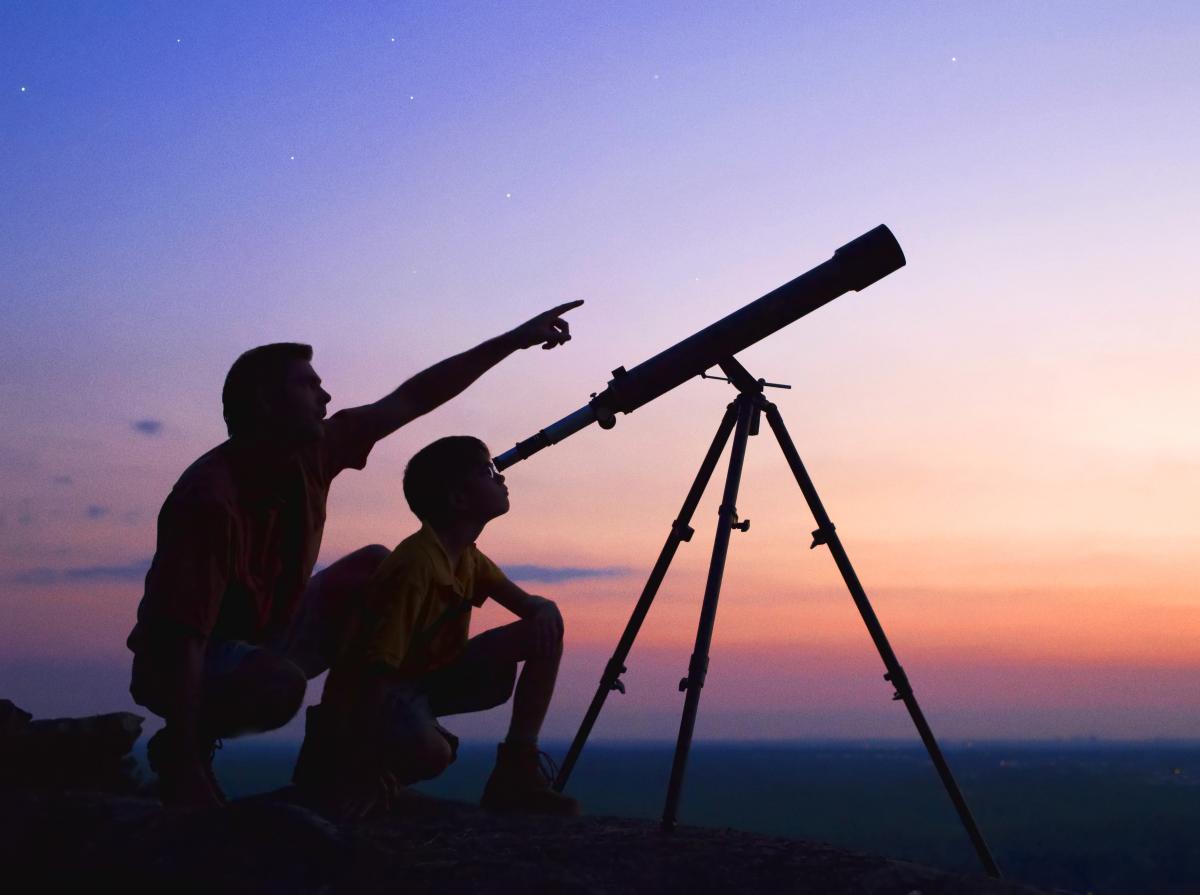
{"points": [[353, 569], [266, 690], [427, 757]]}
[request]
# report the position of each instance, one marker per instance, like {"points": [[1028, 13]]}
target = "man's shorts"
{"points": [[308, 643]]}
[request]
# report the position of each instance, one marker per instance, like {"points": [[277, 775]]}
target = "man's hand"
{"points": [[547, 629], [548, 328]]}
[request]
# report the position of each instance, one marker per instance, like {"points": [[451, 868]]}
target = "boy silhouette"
{"points": [[411, 661]]}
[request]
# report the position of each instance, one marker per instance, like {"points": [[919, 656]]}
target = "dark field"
{"points": [[1085, 817]]}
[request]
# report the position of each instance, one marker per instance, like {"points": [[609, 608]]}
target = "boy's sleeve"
{"points": [[395, 603], [487, 576]]}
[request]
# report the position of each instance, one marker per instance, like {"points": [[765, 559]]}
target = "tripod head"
{"points": [[853, 267]]}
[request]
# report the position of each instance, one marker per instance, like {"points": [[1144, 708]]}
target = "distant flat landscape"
{"points": [[1084, 816]]}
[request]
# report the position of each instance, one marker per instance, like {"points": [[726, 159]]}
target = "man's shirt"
{"points": [[238, 536]]}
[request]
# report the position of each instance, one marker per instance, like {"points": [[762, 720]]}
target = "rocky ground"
{"points": [[58, 835]]}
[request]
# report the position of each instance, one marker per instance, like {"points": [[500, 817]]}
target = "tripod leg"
{"points": [[826, 534], [680, 531], [698, 666]]}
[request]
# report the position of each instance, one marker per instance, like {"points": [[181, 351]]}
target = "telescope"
{"points": [[853, 267]]}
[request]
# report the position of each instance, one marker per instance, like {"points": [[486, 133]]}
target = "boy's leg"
{"points": [[498, 651], [482, 679], [359, 763]]}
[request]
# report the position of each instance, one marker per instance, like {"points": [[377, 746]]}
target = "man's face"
{"points": [[483, 495], [300, 404]]}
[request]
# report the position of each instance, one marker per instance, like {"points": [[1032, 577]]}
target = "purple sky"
{"points": [[1004, 430]]}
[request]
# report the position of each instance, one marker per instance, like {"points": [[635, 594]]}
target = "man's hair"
{"points": [[259, 369], [436, 470]]}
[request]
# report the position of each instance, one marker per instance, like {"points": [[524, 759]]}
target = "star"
{"points": [[292, 158], [178, 40], [412, 97], [953, 58], [508, 195], [393, 40], [656, 77], [22, 89]]}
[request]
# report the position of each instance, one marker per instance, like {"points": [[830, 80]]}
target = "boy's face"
{"points": [[483, 495]]}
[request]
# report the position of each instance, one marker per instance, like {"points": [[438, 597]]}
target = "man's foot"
{"points": [[180, 781], [521, 782]]}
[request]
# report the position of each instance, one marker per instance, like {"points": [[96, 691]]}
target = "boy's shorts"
{"points": [[470, 684], [409, 713]]}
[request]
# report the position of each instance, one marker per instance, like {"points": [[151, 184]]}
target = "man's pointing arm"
{"points": [[438, 384]]}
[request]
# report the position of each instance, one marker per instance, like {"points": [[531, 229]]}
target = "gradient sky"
{"points": [[1001, 430]]}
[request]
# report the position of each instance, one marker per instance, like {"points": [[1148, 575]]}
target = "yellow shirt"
{"points": [[418, 609]]}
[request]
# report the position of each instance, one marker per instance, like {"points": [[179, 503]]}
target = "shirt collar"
{"points": [[444, 571]]}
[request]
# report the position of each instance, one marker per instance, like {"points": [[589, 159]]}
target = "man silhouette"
{"points": [[231, 626]]}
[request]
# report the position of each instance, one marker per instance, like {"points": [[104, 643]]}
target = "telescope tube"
{"points": [[853, 267]]}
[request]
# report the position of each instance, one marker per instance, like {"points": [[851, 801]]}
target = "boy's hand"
{"points": [[547, 630], [547, 328]]}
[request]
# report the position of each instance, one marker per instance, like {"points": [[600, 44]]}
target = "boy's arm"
{"points": [[441, 382], [547, 620]]}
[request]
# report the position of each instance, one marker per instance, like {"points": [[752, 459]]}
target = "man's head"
{"points": [[453, 479], [272, 392]]}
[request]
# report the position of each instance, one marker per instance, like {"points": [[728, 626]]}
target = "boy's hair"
{"points": [[436, 470], [261, 368]]}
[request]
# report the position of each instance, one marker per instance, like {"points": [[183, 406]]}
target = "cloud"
{"points": [[556, 574], [135, 571], [147, 426], [95, 511], [131, 571]]}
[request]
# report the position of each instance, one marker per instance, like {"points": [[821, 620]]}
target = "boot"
{"points": [[162, 754], [521, 783], [314, 764]]}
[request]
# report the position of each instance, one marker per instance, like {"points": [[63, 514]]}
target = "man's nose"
{"points": [[325, 397]]}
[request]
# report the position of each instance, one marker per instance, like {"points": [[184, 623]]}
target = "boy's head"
{"points": [[453, 479]]}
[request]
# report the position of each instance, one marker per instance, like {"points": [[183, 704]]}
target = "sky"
{"points": [[999, 430]]}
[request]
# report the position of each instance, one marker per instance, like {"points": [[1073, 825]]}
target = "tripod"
{"points": [[742, 419]]}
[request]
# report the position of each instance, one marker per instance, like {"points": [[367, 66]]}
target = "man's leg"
{"points": [[328, 610], [245, 689], [262, 692]]}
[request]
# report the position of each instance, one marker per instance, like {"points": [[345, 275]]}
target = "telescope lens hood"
{"points": [[871, 257]]}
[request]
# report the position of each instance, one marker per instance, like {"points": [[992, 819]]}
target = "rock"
{"points": [[68, 753], [97, 841], [12, 718]]}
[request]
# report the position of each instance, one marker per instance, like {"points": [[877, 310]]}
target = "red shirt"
{"points": [[239, 534]]}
